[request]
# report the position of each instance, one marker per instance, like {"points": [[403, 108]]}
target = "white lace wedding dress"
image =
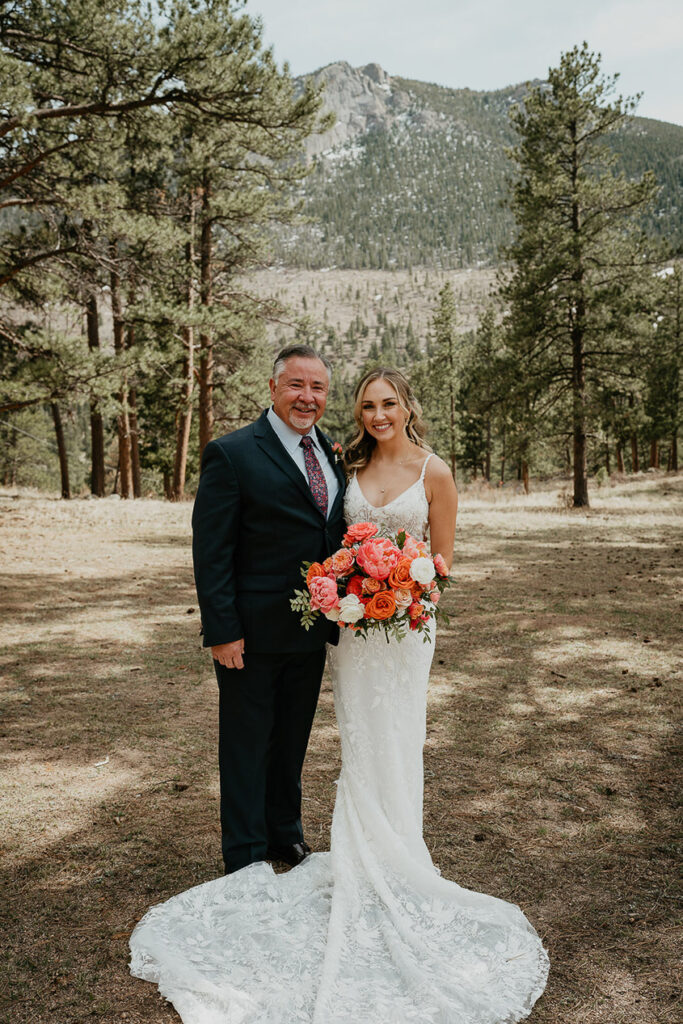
{"points": [[369, 933]]}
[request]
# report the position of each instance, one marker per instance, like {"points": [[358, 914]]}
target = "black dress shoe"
{"points": [[293, 854]]}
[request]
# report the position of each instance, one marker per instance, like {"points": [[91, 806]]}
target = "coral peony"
{"points": [[414, 548], [377, 557], [382, 606], [324, 594], [358, 532]]}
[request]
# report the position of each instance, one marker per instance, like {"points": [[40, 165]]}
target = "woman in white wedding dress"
{"points": [[369, 933]]}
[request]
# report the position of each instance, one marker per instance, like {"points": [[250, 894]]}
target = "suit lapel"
{"points": [[270, 443]]}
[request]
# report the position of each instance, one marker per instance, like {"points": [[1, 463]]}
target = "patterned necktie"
{"points": [[316, 477]]}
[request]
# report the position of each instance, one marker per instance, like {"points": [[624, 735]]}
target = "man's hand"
{"points": [[230, 654]]}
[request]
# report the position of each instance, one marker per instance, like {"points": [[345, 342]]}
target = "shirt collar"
{"points": [[290, 438]]}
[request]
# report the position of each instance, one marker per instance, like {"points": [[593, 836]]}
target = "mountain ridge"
{"points": [[415, 173]]}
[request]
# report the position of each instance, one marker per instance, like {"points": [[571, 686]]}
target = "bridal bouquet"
{"points": [[375, 582]]}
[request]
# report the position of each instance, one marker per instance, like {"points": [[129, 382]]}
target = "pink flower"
{"points": [[342, 562], [440, 565], [358, 532], [416, 610], [324, 596], [435, 596], [403, 598], [414, 548], [377, 557]]}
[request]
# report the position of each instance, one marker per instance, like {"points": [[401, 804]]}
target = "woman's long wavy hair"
{"points": [[359, 450]]}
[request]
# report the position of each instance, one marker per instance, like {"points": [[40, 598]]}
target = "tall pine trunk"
{"points": [[122, 423], [61, 450], [654, 454], [578, 351], [133, 424], [487, 462], [206, 363], [184, 413], [96, 422], [620, 457]]}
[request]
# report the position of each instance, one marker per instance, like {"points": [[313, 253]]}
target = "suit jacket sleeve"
{"points": [[215, 525]]}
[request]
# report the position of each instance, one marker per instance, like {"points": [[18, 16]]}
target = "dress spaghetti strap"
{"points": [[424, 467]]}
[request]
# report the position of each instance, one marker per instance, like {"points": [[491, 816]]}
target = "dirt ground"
{"points": [[550, 760]]}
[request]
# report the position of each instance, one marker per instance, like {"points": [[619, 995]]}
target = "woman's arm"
{"points": [[443, 508]]}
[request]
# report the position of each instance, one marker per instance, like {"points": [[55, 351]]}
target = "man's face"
{"points": [[300, 394]]}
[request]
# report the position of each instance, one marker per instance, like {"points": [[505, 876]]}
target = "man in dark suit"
{"points": [[270, 497]]}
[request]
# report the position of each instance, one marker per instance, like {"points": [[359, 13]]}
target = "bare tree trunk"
{"points": [[673, 454], [184, 414], [168, 485], [206, 363], [608, 465], [487, 463], [635, 460], [122, 423], [96, 422], [503, 458], [620, 457], [578, 351], [525, 476], [61, 449], [134, 442], [133, 424], [654, 454]]}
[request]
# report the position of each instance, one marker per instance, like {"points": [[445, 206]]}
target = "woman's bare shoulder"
{"points": [[437, 471]]}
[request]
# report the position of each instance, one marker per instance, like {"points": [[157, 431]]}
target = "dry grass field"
{"points": [[550, 760]]}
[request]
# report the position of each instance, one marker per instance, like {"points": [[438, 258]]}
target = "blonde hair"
{"points": [[359, 450]]}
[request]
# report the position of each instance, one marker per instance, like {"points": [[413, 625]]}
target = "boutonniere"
{"points": [[337, 451]]}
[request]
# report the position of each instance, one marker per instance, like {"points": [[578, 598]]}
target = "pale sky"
{"points": [[486, 44]]}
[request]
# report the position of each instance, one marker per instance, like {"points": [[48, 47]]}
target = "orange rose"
{"points": [[382, 606], [315, 569], [399, 577], [372, 586], [327, 566]]}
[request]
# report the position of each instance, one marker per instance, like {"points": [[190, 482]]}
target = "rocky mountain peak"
{"points": [[361, 99]]}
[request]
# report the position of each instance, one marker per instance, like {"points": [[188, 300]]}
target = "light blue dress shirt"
{"points": [[292, 443]]}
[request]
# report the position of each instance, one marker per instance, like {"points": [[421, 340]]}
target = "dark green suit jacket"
{"points": [[254, 522]]}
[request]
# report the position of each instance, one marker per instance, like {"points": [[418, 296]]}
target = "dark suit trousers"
{"points": [[266, 711]]}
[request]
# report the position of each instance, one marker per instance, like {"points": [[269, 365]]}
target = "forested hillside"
{"points": [[423, 180]]}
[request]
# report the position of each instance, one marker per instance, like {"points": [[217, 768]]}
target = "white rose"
{"points": [[333, 614], [422, 570], [350, 609]]}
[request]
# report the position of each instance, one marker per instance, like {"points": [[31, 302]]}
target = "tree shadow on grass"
{"points": [[548, 773]]}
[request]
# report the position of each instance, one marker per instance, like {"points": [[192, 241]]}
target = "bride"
{"points": [[369, 932]]}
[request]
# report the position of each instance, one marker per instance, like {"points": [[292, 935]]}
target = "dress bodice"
{"points": [[409, 510]]}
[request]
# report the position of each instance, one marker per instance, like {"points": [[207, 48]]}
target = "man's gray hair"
{"points": [[304, 352]]}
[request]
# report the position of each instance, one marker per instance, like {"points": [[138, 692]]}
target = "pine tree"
{"points": [[577, 258]]}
